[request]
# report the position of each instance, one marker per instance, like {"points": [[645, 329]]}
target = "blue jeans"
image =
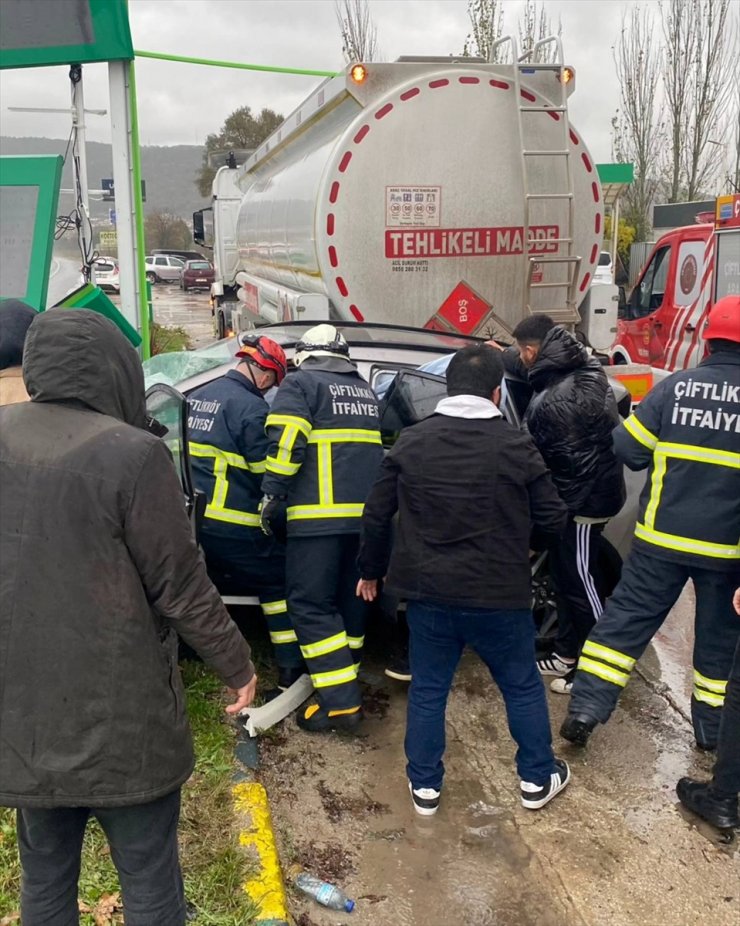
{"points": [[505, 641]]}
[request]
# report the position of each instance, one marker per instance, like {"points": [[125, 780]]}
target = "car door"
{"points": [[167, 411]]}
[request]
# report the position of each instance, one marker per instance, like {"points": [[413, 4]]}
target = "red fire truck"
{"points": [[688, 269]]}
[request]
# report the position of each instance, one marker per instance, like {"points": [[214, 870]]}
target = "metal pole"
{"points": [[79, 160], [139, 216], [120, 117], [615, 237]]}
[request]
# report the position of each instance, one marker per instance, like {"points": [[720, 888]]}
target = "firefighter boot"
{"points": [[577, 728], [316, 719], [701, 798]]}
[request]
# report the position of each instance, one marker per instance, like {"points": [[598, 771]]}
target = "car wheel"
{"points": [[544, 608], [151, 277]]}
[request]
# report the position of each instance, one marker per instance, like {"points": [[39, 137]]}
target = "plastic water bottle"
{"points": [[324, 893]]}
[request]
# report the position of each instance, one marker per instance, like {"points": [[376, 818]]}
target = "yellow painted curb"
{"points": [[266, 889]]}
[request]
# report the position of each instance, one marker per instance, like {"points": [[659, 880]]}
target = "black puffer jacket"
{"points": [[571, 418]]}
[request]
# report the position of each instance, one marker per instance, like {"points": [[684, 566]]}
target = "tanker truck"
{"points": [[445, 193]]}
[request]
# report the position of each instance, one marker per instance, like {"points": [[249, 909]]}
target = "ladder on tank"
{"points": [[564, 311]]}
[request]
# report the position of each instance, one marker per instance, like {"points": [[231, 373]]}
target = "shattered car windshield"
{"points": [[173, 368]]}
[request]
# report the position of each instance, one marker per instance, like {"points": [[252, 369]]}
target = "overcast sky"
{"points": [[182, 103]]}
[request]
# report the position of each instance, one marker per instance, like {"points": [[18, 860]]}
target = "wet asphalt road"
{"points": [[614, 849]]}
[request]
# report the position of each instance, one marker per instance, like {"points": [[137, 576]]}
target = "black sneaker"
{"points": [[315, 719], [700, 798], [577, 728], [536, 796], [398, 667], [426, 800]]}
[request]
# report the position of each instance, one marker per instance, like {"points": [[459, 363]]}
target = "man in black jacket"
{"points": [[100, 570], [467, 487], [571, 418]]}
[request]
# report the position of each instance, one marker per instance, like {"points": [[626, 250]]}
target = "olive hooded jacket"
{"points": [[98, 568]]}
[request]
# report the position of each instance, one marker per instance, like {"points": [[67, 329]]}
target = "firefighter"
{"points": [[228, 446], [687, 432], [324, 454]]}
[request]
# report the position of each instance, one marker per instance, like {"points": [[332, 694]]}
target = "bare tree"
{"points": [[679, 41], [359, 33], [487, 24], [637, 126], [535, 25], [711, 85]]}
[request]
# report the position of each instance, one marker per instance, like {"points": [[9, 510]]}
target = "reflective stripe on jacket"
{"points": [[228, 447], [687, 431], [325, 447]]}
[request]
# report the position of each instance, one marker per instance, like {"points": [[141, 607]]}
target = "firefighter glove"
{"points": [[273, 516]]}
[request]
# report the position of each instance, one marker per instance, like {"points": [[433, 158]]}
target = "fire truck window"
{"points": [[653, 286]]}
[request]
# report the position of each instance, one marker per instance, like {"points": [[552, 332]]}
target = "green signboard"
{"points": [[36, 33], [29, 192]]}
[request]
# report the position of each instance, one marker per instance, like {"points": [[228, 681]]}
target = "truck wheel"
{"points": [[221, 325]]}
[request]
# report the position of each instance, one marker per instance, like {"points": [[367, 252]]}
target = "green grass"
{"points": [[214, 866]]}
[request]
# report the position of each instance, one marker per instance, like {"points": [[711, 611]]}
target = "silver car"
{"points": [[163, 268]]}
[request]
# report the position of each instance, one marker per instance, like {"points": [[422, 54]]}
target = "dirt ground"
{"points": [[613, 850]]}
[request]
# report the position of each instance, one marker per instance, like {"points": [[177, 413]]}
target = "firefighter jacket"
{"points": [[228, 447], [687, 432], [325, 446]]}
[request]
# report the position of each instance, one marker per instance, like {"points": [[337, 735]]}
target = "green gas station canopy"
{"points": [[614, 178], [37, 33]]}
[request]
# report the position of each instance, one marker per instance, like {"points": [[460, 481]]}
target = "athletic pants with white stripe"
{"points": [[328, 617], [647, 591], [572, 559]]}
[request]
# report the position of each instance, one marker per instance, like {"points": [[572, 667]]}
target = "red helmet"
{"points": [[723, 320], [264, 353]]}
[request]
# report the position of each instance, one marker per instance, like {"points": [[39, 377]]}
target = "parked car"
{"points": [[163, 268], [406, 368], [107, 274], [604, 269], [196, 274]]}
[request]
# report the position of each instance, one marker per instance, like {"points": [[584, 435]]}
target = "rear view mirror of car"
{"points": [[411, 398]]}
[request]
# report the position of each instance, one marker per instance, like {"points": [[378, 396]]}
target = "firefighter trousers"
{"points": [[727, 768], [243, 568], [647, 591], [328, 617]]}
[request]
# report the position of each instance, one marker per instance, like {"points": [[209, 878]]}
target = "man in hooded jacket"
{"points": [[100, 571], [571, 418]]}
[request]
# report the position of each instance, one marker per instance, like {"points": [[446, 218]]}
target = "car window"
{"points": [[160, 261], [169, 408], [176, 262], [104, 268], [653, 284], [605, 259], [176, 366], [199, 265]]}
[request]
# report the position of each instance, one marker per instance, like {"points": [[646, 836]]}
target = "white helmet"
{"points": [[321, 341]]}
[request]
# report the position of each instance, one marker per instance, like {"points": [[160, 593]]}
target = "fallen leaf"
{"points": [[105, 908], [10, 918]]}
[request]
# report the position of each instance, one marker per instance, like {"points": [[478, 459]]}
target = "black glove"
{"points": [[274, 516]]}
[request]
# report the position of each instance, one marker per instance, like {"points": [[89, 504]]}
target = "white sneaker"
{"points": [[554, 665], [426, 800], [536, 796]]}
